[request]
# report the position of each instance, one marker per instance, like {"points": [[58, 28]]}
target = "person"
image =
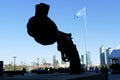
{"points": [[105, 71], [96, 69], [24, 70]]}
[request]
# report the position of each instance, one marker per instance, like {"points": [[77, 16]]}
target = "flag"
{"points": [[81, 12]]}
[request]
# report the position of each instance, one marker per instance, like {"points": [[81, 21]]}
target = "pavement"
{"points": [[113, 76], [55, 76]]}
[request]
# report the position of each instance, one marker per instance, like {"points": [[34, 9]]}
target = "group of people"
{"points": [[96, 69]]}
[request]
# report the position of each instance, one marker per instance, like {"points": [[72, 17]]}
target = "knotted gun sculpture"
{"points": [[45, 32]]}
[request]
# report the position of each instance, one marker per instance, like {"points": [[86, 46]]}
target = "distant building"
{"points": [[55, 62], [82, 59], [102, 56], [108, 52], [88, 59]]}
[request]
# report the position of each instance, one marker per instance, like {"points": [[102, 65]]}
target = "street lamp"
{"points": [[14, 62], [38, 62]]}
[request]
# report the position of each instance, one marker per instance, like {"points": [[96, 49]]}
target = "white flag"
{"points": [[80, 12]]}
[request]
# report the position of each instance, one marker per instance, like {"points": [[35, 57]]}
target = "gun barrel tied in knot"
{"points": [[45, 32]]}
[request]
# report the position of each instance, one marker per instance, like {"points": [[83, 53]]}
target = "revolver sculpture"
{"points": [[45, 32]]}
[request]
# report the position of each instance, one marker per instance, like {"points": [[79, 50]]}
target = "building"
{"points": [[88, 59], [55, 62], [82, 59], [102, 56], [108, 52], [115, 57]]}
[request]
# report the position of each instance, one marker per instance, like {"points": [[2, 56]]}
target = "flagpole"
{"points": [[85, 37], [82, 12]]}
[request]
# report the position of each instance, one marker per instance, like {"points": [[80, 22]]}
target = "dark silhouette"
{"points": [[69, 52], [115, 68], [12, 73], [45, 32], [24, 69], [105, 71], [41, 27], [1, 68]]}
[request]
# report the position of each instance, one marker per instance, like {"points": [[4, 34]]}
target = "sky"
{"points": [[102, 26]]}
